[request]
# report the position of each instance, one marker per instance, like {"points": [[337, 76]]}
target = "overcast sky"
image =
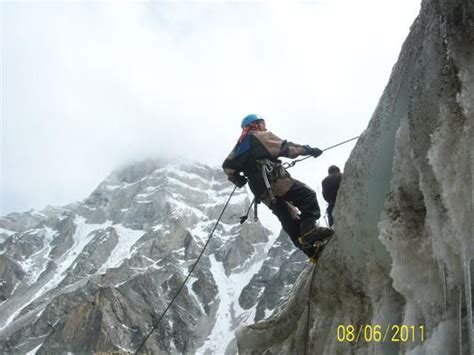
{"points": [[89, 86]]}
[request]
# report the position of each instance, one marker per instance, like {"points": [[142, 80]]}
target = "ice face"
{"points": [[403, 249]]}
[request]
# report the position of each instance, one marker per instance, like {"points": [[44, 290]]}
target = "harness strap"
{"points": [[271, 171], [267, 169]]}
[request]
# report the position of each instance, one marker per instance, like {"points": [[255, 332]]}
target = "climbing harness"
{"points": [[255, 213], [246, 216], [255, 202], [266, 170], [271, 171], [155, 325]]}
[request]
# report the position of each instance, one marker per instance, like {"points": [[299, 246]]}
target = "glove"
{"points": [[315, 152], [238, 180]]}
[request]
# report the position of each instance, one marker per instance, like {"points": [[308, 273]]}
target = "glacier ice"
{"points": [[403, 249]]}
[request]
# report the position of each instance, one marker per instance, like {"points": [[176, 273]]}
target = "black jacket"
{"points": [[331, 186], [255, 146]]}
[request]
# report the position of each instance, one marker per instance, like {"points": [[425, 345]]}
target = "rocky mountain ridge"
{"points": [[95, 275]]}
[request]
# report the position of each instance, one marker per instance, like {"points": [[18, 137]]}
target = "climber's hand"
{"points": [[315, 152]]}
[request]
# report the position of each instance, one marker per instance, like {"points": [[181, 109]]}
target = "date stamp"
{"points": [[395, 333]]}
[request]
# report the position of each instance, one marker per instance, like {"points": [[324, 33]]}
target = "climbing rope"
{"points": [[308, 300], [155, 325], [285, 165], [288, 165]]}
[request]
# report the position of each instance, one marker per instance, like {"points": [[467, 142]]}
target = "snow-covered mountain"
{"points": [[397, 278], [94, 276]]}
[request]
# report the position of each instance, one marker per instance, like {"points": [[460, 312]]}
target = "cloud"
{"points": [[89, 85]]}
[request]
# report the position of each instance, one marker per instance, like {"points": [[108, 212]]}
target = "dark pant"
{"points": [[304, 198], [329, 211]]}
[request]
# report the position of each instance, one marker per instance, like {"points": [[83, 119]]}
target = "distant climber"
{"points": [[255, 159], [330, 186]]}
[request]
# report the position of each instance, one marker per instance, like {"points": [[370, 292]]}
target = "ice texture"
{"points": [[403, 248]]}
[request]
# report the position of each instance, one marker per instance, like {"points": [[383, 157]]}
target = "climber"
{"points": [[330, 186], [255, 159]]}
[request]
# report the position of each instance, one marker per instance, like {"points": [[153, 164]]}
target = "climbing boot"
{"points": [[316, 234], [318, 248]]}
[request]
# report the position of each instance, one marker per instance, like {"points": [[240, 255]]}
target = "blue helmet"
{"points": [[249, 119]]}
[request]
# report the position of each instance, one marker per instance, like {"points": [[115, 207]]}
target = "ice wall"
{"points": [[403, 249]]}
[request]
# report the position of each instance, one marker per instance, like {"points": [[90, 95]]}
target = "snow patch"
{"points": [[184, 185], [192, 280], [81, 237], [157, 227], [112, 187], [39, 214], [34, 350], [127, 238], [222, 333], [7, 232], [189, 176], [229, 313], [37, 263], [182, 208]]}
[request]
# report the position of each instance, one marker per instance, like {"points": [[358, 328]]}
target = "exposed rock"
{"points": [[10, 276], [22, 245], [403, 250], [93, 255], [97, 275], [66, 229], [275, 278]]}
